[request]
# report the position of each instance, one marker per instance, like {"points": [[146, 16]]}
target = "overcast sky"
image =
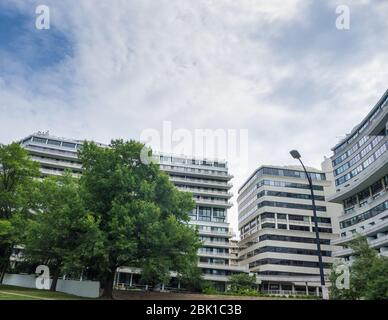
{"points": [[111, 69]]}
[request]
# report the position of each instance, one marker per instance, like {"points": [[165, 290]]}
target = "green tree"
{"points": [[17, 195], [141, 214], [243, 281], [62, 234], [368, 274]]}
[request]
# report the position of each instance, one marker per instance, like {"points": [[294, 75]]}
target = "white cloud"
{"points": [[200, 64]]}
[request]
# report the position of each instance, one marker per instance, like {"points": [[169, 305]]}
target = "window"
{"points": [[289, 205], [368, 161], [366, 150], [380, 151], [281, 216], [39, 140], [350, 202], [219, 214], [376, 187], [363, 140], [354, 160], [204, 213], [268, 226], [54, 142], [299, 228], [68, 145], [364, 194]]}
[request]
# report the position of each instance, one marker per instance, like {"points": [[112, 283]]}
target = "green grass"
{"points": [[19, 293]]}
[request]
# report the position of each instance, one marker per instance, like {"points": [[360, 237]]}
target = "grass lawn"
{"points": [[19, 293]]}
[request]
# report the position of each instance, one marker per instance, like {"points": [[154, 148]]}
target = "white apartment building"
{"points": [[360, 163], [207, 180], [278, 240]]}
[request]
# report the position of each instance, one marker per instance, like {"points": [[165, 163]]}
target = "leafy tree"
{"points": [[141, 214], [17, 195], [240, 281], [192, 280], [62, 234], [368, 274]]}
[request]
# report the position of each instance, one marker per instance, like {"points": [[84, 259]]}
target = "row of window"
{"points": [[171, 159], [286, 184], [193, 170], [362, 197], [215, 229], [281, 217], [289, 195], [283, 273], [301, 251], [213, 250], [356, 158], [244, 203], [215, 239], [363, 165], [282, 173], [208, 214], [269, 225], [289, 205], [207, 181], [292, 173], [276, 237], [359, 131], [285, 262], [53, 142], [365, 215]]}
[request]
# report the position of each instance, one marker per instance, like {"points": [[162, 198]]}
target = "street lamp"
{"points": [[296, 155]]}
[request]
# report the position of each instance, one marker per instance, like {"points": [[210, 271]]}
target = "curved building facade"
{"points": [[360, 168]]}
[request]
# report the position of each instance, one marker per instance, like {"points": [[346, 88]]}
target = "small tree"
{"points": [[368, 274], [17, 195], [242, 281], [62, 234]]}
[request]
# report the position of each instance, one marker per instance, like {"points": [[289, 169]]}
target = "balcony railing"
{"points": [[201, 181]]}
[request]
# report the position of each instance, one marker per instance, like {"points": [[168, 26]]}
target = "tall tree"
{"points": [[17, 195], [62, 234], [142, 216]]}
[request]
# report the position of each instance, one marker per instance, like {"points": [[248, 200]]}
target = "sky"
{"points": [[279, 69]]}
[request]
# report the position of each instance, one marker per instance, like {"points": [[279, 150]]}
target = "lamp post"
{"points": [[296, 155]]}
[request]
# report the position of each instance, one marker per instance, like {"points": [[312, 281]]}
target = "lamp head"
{"points": [[295, 154]]}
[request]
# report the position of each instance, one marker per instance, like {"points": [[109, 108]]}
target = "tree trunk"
{"points": [[53, 286], [6, 261], [108, 285]]}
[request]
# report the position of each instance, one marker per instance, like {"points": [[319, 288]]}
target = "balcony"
{"points": [[198, 172], [54, 172], [221, 244], [217, 233], [193, 181], [57, 163], [218, 203], [215, 254], [33, 149], [206, 192], [368, 204], [209, 265], [380, 226]]}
